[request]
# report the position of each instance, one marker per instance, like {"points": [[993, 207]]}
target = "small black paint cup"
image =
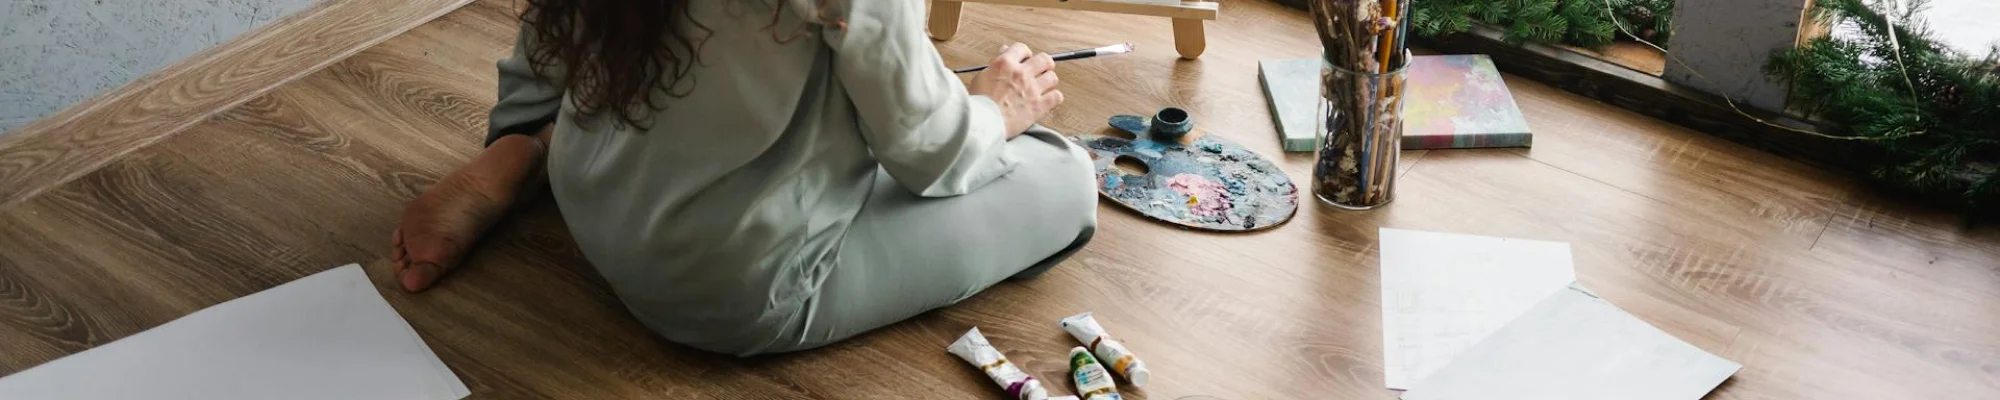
{"points": [[1170, 124]]}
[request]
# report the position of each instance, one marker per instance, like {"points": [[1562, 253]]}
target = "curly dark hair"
{"points": [[616, 52]]}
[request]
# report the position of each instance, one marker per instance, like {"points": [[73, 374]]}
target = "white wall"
{"points": [[1971, 26], [55, 53]]}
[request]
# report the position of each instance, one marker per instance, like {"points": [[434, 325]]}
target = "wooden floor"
{"points": [[90, 134], [1820, 290]]}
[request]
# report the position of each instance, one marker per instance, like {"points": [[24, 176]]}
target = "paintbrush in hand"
{"points": [[1120, 48]]}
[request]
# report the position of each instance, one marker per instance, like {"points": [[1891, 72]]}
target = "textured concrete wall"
{"points": [[55, 53], [1727, 41]]}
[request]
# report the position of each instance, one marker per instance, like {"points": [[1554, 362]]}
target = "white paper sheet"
{"points": [[325, 336], [1443, 292], [1575, 346]]}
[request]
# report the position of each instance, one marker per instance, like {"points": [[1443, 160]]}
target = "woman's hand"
{"points": [[1023, 83]]}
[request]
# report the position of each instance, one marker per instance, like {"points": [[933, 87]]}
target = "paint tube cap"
{"points": [[1137, 374]]}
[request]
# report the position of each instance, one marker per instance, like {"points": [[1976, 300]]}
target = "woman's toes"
{"points": [[396, 251], [420, 275], [439, 226]]}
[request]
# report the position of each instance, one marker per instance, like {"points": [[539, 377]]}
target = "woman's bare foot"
{"points": [[441, 225]]}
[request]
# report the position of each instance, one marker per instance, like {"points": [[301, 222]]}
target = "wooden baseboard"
{"points": [[88, 135]]}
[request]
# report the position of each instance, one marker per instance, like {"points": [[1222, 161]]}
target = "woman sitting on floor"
{"points": [[754, 177]]}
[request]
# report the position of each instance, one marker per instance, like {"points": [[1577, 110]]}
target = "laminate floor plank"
{"points": [[1820, 289]]}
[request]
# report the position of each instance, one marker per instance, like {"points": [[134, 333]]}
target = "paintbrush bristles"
{"points": [[1351, 31]]}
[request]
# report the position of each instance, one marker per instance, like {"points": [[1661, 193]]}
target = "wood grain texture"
{"points": [[1188, 38], [943, 19], [87, 135], [1821, 290]]}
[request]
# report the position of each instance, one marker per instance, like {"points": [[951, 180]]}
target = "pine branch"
{"points": [[1590, 26], [1494, 11], [1462, 20], [1893, 81], [1663, 25]]}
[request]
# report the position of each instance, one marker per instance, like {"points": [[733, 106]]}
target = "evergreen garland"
{"points": [[1590, 26], [1537, 21], [1581, 23], [1936, 114]]}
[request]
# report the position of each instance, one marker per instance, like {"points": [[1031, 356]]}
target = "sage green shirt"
{"points": [[716, 220]]}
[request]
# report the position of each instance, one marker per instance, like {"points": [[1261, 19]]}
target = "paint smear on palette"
{"points": [[1205, 182]]}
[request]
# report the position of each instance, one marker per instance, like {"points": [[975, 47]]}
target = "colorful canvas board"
{"points": [[1459, 101], [1454, 101], [1290, 88], [1201, 181]]}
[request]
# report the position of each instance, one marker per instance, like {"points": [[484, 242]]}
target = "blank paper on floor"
{"points": [[1443, 292], [325, 336], [1575, 346]]}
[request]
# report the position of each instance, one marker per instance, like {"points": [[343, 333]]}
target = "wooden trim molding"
{"points": [[86, 136], [1188, 15]]}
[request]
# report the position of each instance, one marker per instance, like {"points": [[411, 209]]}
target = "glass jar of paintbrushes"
{"points": [[1360, 121]]}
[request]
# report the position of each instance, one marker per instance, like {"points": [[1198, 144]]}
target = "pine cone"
{"points": [[1638, 15], [1950, 98]]}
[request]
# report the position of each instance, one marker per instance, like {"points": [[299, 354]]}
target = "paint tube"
{"points": [[974, 348], [1092, 382], [1085, 329]]}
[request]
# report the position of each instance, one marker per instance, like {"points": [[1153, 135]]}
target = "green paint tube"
{"points": [[1092, 381]]}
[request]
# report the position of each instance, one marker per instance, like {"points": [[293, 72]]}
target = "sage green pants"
{"points": [[907, 254]]}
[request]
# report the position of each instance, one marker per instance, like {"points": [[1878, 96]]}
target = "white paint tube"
{"points": [[1085, 329], [974, 348], [1092, 382]]}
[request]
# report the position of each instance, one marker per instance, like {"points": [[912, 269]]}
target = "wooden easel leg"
{"points": [[944, 19], [1188, 37]]}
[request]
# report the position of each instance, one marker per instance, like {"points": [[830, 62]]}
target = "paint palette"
{"points": [[1198, 180]]}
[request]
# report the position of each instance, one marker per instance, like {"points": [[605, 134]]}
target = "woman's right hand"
{"points": [[1023, 83]]}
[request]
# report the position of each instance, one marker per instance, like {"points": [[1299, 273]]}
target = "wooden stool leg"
{"points": [[1188, 38], [944, 19]]}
